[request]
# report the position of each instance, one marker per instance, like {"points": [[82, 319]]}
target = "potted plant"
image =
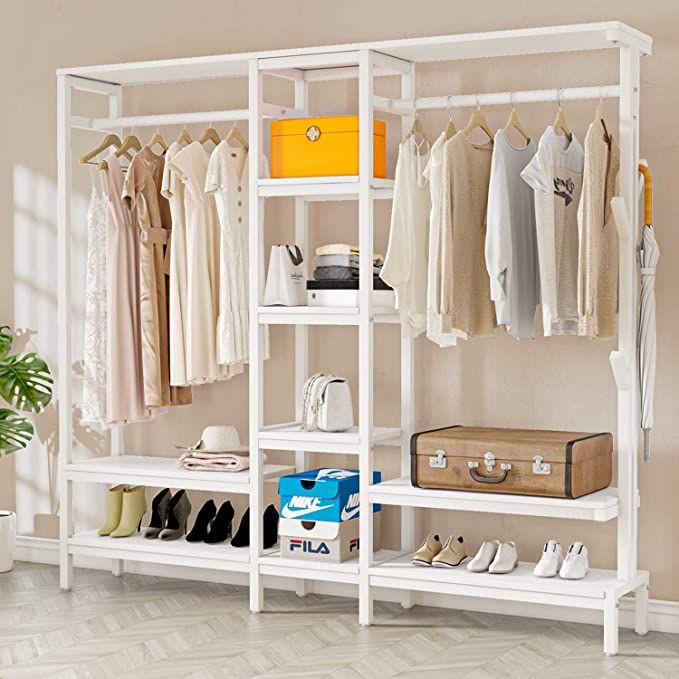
{"points": [[26, 385]]}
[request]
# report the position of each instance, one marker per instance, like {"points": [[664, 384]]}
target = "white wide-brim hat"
{"points": [[222, 438]]}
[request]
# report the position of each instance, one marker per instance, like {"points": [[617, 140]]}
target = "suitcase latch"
{"points": [[540, 467], [439, 461]]}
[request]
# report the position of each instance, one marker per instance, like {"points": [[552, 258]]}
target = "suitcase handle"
{"points": [[489, 479]]}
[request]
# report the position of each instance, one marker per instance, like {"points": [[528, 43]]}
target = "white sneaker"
{"points": [[576, 563], [506, 559], [550, 561], [484, 557]]}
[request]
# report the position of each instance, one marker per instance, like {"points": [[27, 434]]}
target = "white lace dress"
{"points": [[94, 372]]}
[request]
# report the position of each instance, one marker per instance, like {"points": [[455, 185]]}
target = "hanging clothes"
{"points": [[94, 353], [173, 190], [152, 214], [227, 179], [511, 247], [125, 379], [202, 268], [433, 173], [598, 237], [465, 288], [405, 264], [555, 174]]}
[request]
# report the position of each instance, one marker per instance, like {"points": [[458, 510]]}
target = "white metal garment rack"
{"points": [[602, 589]]}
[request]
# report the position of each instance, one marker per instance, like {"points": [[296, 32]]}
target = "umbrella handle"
{"points": [[648, 194]]}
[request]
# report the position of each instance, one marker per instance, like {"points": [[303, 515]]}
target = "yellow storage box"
{"points": [[322, 147]]}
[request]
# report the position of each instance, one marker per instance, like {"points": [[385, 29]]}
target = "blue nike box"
{"points": [[322, 495]]}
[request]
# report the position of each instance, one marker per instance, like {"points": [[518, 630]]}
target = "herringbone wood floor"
{"points": [[146, 627]]}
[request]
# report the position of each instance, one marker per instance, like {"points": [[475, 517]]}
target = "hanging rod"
{"points": [[159, 120], [499, 98]]}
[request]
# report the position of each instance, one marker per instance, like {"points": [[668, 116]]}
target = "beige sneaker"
{"points": [[429, 549], [454, 552]]}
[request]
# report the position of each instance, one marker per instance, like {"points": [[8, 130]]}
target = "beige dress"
{"points": [[190, 166], [151, 211], [598, 237], [465, 288], [125, 382]]}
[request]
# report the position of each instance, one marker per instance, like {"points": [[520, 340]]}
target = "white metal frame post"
{"points": [[365, 329], [64, 315], [407, 373], [301, 331], [256, 381]]}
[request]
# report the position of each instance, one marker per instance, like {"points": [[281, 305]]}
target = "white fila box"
{"points": [[329, 541]]}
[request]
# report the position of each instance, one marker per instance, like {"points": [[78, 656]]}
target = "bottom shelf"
{"points": [[222, 557], [275, 564], [519, 585]]}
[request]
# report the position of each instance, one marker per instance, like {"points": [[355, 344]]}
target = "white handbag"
{"points": [[286, 280], [327, 404]]}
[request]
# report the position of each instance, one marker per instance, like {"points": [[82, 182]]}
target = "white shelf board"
{"points": [[547, 39], [221, 556], [323, 188], [163, 472], [289, 436], [316, 315], [599, 506], [520, 585], [275, 564]]}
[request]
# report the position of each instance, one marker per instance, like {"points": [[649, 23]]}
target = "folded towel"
{"points": [[339, 273], [352, 261], [342, 249], [214, 462]]}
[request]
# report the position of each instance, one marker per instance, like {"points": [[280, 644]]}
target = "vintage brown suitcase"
{"points": [[521, 461]]}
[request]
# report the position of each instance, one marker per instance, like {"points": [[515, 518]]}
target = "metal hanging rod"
{"points": [[107, 124], [500, 98]]}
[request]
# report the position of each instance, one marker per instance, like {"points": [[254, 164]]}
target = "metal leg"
{"points": [[611, 623], [641, 610]]}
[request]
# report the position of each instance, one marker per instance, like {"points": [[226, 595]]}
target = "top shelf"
{"points": [[542, 40]]}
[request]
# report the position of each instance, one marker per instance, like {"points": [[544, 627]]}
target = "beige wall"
{"points": [[560, 382]]}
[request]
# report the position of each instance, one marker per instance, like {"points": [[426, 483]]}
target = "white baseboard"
{"points": [[663, 616]]}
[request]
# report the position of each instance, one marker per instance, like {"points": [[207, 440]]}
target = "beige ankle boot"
{"points": [[429, 549], [115, 508], [454, 552], [134, 508]]}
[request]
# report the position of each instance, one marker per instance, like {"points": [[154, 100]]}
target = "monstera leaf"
{"points": [[25, 382], [6, 339], [15, 431]]}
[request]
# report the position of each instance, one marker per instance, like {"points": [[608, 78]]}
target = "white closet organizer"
{"points": [[602, 589]]}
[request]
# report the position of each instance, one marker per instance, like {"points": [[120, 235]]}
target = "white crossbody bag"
{"points": [[327, 404]]}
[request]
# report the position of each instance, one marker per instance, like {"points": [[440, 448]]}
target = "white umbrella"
{"points": [[649, 255]]}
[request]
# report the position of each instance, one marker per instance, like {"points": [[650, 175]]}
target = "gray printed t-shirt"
{"points": [[555, 174]]}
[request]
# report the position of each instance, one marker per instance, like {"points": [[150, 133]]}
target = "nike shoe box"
{"points": [[328, 541], [322, 495]]}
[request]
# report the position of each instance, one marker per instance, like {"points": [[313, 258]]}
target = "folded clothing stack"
{"points": [[341, 262]]}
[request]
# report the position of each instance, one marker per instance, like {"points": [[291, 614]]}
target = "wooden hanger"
{"points": [[478, 120], [235, 134], [600, 116], [108, 141], [157, 138], [417, 131], [184, 137], [560, 120], [130, 143], [450, 130], [514, 123], [209, 134]]}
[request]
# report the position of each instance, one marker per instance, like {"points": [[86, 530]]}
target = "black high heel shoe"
{"points": [[159, 508], [220, 528], [269, 531], [201, 525]]}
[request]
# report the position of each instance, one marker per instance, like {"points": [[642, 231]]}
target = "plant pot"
{"points": [[8, 529]]}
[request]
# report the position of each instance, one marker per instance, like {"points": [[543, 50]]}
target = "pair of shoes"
{"points": [[169, 515], [211, 525], [269, 531], [552, 562], [494, 557], [432, 553], [126, 507]]}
